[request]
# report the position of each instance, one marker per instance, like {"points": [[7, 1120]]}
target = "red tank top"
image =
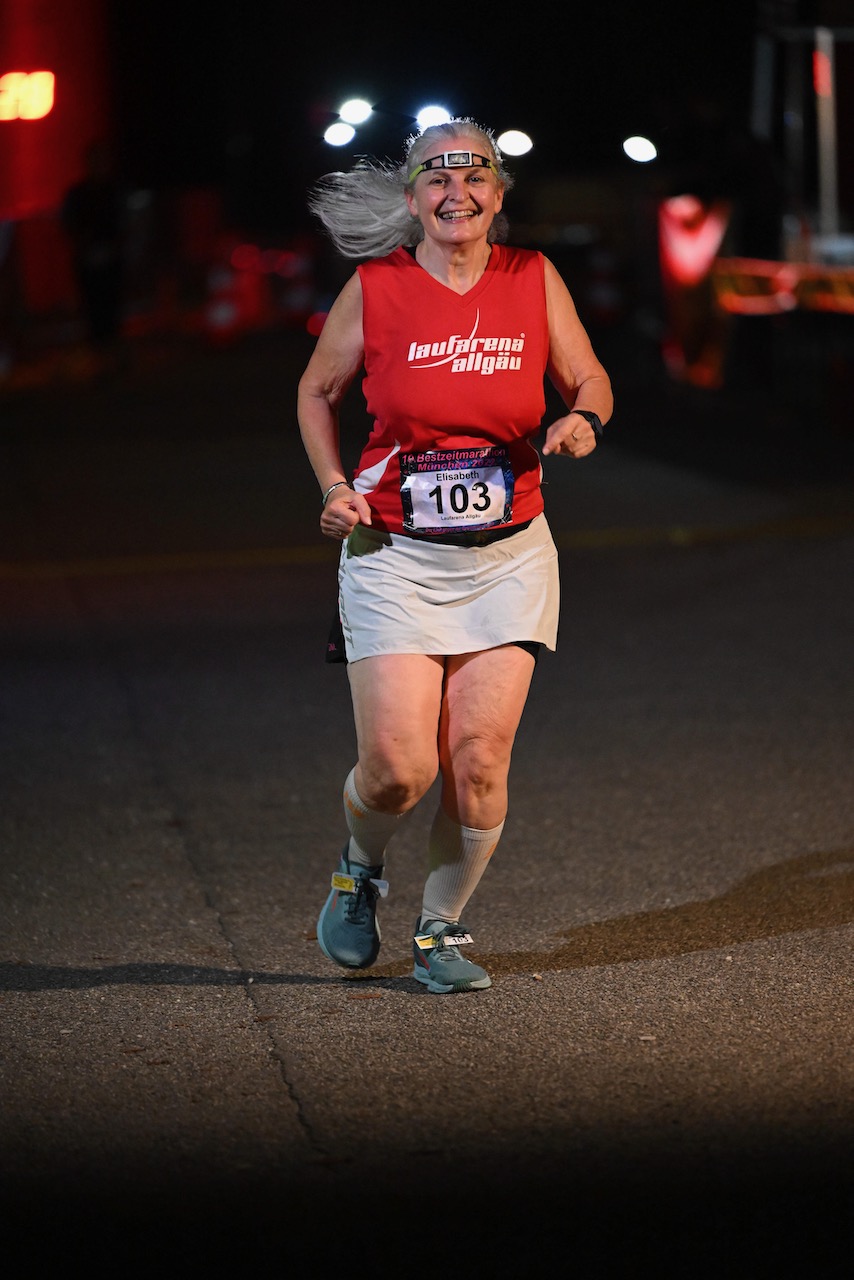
{"points": [[455, 386]]}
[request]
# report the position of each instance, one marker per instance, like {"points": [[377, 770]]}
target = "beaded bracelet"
{"points": [[336, 485]]}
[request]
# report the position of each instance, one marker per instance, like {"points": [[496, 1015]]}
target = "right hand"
{"points": [[343, 511]]}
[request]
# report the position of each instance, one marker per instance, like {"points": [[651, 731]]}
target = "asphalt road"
{"points": [[661, 1077]]}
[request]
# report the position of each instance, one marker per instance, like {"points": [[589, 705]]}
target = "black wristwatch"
{"points": [[594, 420]]}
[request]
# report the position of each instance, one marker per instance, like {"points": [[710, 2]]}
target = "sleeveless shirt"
{"points": [[455, 387]]}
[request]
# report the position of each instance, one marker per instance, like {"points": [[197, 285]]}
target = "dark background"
{"points": [[239, 95], [217, 115]]}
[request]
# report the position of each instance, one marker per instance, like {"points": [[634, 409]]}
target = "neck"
{"points": [[459, 266]]}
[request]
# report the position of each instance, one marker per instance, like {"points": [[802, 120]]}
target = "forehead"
{"points": [[455, 146]]}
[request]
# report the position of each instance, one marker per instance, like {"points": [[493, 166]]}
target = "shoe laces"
{"points": [[444, 949], [361, 902]]}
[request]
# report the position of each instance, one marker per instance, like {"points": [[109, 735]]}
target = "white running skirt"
{"points": [[402, 595]]}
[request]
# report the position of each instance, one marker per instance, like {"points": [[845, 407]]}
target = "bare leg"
{"points": [[397, 703], [485, 695]]}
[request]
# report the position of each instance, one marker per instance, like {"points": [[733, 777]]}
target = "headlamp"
{"points": [[455, 160]]}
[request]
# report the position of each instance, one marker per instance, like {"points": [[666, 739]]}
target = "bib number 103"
{"points": [[441, 491], [459, 499]]}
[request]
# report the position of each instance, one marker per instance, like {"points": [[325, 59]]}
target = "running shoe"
{"points": [[438, 962], [347, 929]]}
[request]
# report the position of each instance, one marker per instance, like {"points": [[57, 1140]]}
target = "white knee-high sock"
{"points": [[458, 858], [370, 830]]}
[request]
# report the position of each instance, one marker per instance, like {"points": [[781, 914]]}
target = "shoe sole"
{"points": [[447, 988]]}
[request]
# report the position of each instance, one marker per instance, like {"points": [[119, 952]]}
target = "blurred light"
{"points": [[355, 111], [431, 115], [339, 134], [315, 323], [246, 257], [26, 95], [514, 143], [690, 235], [288, 264], [639, 149], [822, 75]]}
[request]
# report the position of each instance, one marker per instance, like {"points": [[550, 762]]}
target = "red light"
{"points": [[822, 77], [289, 264], [690, 234], [246, 257], [315, 323]]}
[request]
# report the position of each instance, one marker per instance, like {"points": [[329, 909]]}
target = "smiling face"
{"points": [[456, 205]]}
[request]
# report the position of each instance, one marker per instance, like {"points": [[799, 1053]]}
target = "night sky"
{"points": [[237, 95]]}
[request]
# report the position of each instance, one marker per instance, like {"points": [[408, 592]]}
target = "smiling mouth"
{"points": [[459, 215]]}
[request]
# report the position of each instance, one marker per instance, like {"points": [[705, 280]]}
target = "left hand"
{"points": [[571, 436]]}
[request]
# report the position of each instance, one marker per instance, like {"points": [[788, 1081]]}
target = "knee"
{"points": [[395, 785], [479, 765]]}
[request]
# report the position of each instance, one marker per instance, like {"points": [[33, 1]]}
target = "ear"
{"points": [[410, 201], [499, 198]]}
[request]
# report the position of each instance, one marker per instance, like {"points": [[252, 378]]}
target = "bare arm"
{"points": [[335, 362], [576, 372]]}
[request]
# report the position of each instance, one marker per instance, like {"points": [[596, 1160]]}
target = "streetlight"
{"points": [[339, 134], [640, 149], [355, 111], [431, 115], [514, 143]]}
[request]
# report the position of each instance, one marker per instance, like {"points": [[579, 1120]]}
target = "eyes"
{"points": [[440, 180]]}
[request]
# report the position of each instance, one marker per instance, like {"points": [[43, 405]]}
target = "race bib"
{"points": [[456, 489]]}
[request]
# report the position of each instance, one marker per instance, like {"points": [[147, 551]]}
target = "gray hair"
{"points": [[364, 211]]}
